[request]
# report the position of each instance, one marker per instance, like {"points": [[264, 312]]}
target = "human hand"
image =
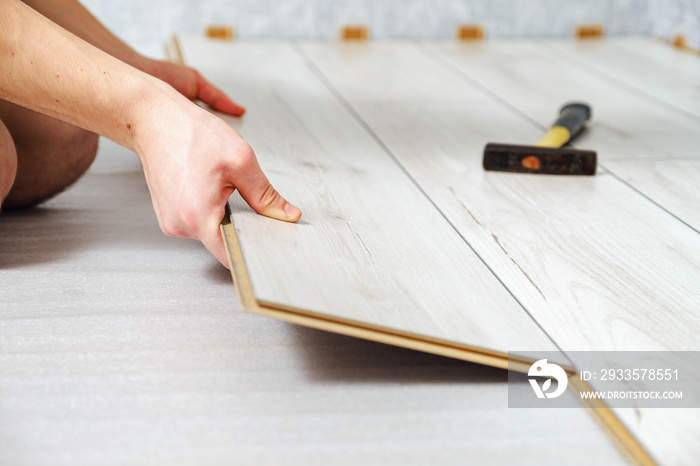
{"points": [[188, 82], [193, 161]]}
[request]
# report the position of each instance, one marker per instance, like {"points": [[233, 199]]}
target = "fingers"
{"points": [[257, 191], [216, 99]]}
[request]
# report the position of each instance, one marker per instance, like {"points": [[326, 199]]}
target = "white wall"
{"points": [[671, 17], [147, 24]]}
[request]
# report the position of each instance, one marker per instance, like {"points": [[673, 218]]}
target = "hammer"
{"points": [[548, 156]]}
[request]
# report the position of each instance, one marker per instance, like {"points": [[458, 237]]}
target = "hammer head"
{"points": [[532, 159]]}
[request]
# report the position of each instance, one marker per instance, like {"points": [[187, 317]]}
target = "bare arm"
{"points": [[73, 16], [192, 160]]}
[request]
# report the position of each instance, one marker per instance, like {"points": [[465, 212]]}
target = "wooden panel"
{"points": [[568, 247], [119, 345], [413, 79], [536, 81], [627, 124], [648, 65], [371, 248], [671, 183], [590, 258]]}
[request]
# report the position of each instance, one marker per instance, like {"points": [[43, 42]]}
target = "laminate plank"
{"points": [[119, 345], [537, 82], [649, 130], [626, 125], [568, 247], [591, 259], [370, 248], [654, 68], [671, 183]]}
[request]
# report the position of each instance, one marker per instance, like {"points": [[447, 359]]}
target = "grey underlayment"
{"points": [[150, 23]]}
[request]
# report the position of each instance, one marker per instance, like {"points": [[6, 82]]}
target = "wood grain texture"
{"points": [[590, 258], [647, 65], [119, 345], [631, 119], [673, 184], [567, 247], [537, 82], [370, 248]]}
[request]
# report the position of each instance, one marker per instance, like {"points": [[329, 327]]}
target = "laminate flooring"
{"points": [[580, 214], [629, 125], [650, 67], [566, 248], [371, 247], [121, 346]]}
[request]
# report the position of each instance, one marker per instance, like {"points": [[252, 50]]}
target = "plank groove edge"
{"points": [[619, 433], [616, 430], [306, 318], [174, 51]]}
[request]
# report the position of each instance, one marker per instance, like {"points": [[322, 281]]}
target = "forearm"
{"points": [[74, 17], [192, 160], [47, 69]]}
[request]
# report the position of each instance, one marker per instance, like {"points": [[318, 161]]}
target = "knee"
{"points": [[8, 163], [78, 151], [45, 171]]}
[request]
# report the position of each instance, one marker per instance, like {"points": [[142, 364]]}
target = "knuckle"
{"points": [[170, 228], [180, 224], [167, 228], [245, 153], [243, 161], [269, 197]]}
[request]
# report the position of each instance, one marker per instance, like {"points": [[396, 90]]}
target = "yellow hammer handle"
{"points": [[556, 137]]}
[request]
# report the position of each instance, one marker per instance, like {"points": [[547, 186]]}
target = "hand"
{"points": [[191, 84], [193, 161]]}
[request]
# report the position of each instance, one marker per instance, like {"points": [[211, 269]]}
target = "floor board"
{"points": [[649, 66], [530, 78], [573, 244], [119, 345], [671, 183], [568, 247], [371, 247], [631, 121]]}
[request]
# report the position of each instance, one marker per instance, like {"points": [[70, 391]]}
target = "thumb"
{"points": [[257, 191]]}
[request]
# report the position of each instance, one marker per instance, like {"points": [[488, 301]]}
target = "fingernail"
{"points": [[293, 213]]}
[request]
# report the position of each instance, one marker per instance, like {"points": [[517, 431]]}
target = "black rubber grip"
{"points": [[573, 117]]}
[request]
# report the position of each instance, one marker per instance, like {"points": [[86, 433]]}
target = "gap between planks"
{"points": [[622, 437], [442, 60]]}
